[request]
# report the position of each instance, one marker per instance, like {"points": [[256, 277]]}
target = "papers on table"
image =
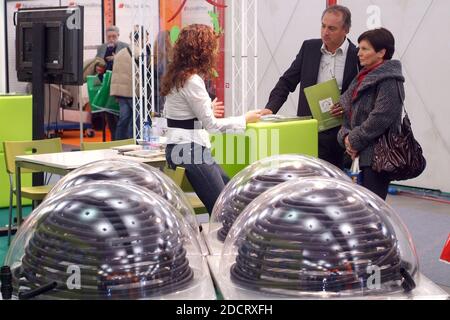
{"points": [[126, 148], [281, 118], [145, 153]]}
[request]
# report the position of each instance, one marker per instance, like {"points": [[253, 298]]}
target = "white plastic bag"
{"points": [[355, 172]]}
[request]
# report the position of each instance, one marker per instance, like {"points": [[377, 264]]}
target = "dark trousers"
{"points": [[124, 129], [206, 177], [111, 120], [376, 182], [329, 148]]}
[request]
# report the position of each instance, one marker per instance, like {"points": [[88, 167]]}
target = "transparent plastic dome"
{"points": [[318, 238], [259, 177], [103, 240], [129, 172]]}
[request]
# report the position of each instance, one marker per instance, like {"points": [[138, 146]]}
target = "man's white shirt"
{"points": [[333, 65]]}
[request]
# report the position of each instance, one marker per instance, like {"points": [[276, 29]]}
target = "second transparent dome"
{"points": [[259, 177], [319, 237], [134, 173]]}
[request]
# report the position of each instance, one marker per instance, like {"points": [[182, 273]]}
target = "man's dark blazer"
{"points": [[305, 70]]}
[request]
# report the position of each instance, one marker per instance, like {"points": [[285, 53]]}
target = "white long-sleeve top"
{"points": [[190, 102]]}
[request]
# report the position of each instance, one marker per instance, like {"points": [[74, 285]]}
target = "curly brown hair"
{"points": [[194, 52]]}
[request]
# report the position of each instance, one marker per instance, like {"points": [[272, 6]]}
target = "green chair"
{"points": [[12, 149], [178, 176], [85, 146]]}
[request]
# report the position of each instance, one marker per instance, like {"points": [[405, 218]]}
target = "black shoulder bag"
{"points": [[398, 154]]}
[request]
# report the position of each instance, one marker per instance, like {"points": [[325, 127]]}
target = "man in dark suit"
{"points": [[320, 60]]}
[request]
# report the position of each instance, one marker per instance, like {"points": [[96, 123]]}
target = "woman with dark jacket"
{"points": [[372, 104]]}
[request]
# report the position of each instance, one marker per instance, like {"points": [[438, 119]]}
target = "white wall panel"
{"points": [[421, 30], [126, 17], [283, 26]]}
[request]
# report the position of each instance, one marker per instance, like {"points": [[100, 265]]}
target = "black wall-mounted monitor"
{"points": [[63, 45]]}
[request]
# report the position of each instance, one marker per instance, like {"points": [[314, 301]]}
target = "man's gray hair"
{"points": [[112, 29], [346, 14]]}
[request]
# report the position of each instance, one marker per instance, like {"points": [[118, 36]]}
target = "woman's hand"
{"points": [[253, 116], [348, 148], [218, 108], [337, 110]]}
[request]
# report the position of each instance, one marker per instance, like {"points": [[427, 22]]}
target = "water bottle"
{"points": [[147, 135], [154, 138]]}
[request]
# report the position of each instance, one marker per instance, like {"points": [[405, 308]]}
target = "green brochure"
{"points": [[321, 98]]}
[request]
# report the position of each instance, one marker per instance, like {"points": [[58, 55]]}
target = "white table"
{"points": [[63, 162]]}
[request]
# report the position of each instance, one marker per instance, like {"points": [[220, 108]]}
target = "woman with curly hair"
{"points": [[190, 112]]}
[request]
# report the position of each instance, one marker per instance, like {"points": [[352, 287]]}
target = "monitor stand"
{"points": [[38, 90]]}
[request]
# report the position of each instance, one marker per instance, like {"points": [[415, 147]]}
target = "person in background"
{"points": [[122, 81], [372, 104], [95, 66], [189, 112], [107, 51], [92, 67], [162, 57], [320, 60]]}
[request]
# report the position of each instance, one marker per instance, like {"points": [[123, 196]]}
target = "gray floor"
{"points": [[429, 225]]}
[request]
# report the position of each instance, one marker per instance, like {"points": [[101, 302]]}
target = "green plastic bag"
{"points": [[101, 101], [93, 85]]}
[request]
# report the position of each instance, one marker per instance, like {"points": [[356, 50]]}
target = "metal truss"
{"points": [[145, 17], [244, 55], [244, 58]]}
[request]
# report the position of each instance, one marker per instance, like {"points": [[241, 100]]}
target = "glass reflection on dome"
{"points": [[350, 243], [134, 173], [127, 243], [260, 177]]}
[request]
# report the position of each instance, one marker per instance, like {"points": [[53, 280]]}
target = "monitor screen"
{"points": [[62, 46]]}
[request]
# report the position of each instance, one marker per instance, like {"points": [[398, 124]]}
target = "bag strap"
{"points": [[402, 98]]}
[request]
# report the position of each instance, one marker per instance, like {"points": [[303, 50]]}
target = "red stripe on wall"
{"points": [[331, 2], [108, 13]]}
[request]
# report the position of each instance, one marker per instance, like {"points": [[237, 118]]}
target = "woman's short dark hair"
{"points": [[380, 39]]}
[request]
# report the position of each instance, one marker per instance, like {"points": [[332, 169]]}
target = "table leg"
{"points": [[18, 196]]}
